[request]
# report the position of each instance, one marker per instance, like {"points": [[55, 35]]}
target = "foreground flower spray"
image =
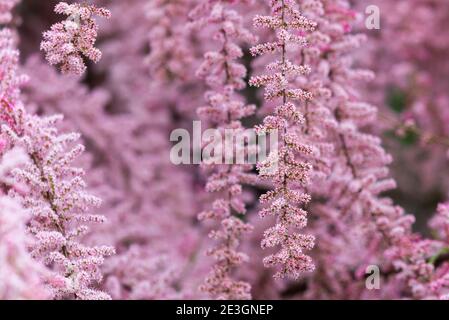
{"points": [[66, 42], [283, 167], [329, 205]]}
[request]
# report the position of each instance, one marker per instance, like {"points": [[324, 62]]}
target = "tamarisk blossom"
{"points": [[224, 110], [362, 158], [440, 224], [404, 66], [55, 195], [174, 55], [6, 7], [144, 196], [150, 275], [411, 89], [147, 194], [332, 125], [20, 275], [361, 174], [66, 42], [420, 265], [170, 52], [288, 173], [10, 81]]}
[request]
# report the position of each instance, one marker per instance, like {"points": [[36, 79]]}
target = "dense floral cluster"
{"points": [[288, 173], [20, 275], [170, 50], [354, 176], [53, 192], [66, 41], [358, 163], [224, 75]]}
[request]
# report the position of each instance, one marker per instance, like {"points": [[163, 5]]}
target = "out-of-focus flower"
{"points": [[21, 277]]}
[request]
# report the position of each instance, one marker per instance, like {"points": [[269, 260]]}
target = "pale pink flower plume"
{"points": [[138, 178], [67, 42]]}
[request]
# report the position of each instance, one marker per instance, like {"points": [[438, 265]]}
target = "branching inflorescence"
{"points": [[224, 110], [170, 52], [55, 194], [6, 7], [132, 172], [66, 41], [353, 162], [21, 277], [284, 168], [325, 181]]}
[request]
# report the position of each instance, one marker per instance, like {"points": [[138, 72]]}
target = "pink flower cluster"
{"points": [[354, 177], [224, 110], [170, 51], [53, 191], [66, 41], [58, 205], [20, 275]]}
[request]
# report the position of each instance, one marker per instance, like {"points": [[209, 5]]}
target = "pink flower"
{"points": [[55, 196], [66, 41], [282, 167], [6, 7]]}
